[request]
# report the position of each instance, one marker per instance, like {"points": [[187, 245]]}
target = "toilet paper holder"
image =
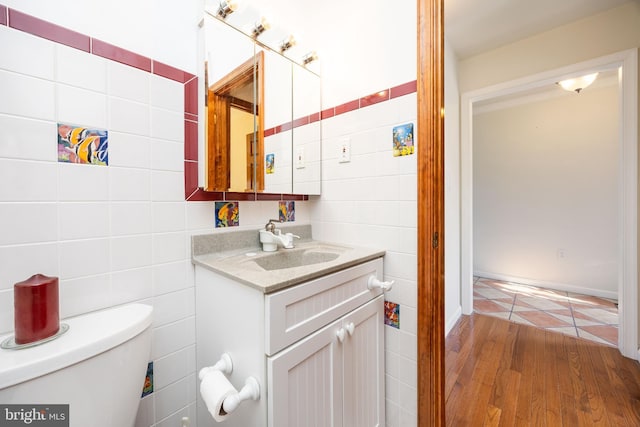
{"points": [[250, 390]]}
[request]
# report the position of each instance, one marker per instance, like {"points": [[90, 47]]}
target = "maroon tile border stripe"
{"points": [[403, 89], [115, 53], [365, 101], [374, 98], [328, 113], [171, 73], [191, 140], [47, 30], [347, 106], [191, 96]]}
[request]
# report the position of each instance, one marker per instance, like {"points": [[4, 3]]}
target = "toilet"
{"points": [[97, 367]]}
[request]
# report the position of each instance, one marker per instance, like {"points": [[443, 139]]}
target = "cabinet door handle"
{"points": [[350, 328], [340, 334], [373, 283]]}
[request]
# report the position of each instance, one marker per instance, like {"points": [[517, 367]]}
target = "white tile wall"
{"points": [[82, 183], [19, 262], [78, 258], [129, 184], [42, 216], [26, 139], [371, 201], [130, 218], [128, 83], [92, 75], [129, 150], [113, 235], [168, 216], [84, 294], [128, 116], [163, 93], [167, 155], [81, 107], [39, 60], [80, 220], [26, 96], [167, 124]]}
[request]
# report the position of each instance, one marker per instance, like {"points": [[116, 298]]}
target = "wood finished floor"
{"points": [[500, 373]]}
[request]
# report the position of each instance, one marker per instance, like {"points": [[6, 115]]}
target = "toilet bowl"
{"points": [[97, 367]]}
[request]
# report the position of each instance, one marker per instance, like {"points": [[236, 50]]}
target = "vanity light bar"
{"points": [[287, 43], [226, 8], [309, 57], [260, 27]]}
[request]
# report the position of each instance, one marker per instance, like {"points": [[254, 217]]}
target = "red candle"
{"points": [[36, 308]]}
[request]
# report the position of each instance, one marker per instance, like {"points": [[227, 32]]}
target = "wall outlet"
{"points": [[560, 254], [344, 150]]}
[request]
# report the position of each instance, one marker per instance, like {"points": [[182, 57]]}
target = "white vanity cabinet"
{"points": [[335, 377], [316, 348]]}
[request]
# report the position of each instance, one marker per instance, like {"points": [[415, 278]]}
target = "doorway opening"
{"points": [[627, 200]]}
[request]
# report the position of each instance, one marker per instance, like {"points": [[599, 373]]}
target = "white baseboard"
{"points": [[548, 285], [452, 321]]}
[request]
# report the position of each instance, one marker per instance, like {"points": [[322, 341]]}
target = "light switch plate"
{"points": [[344, 153], [300, 158]]}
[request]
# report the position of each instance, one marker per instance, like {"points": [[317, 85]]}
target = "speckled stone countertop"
{"points": [[234, 254]]}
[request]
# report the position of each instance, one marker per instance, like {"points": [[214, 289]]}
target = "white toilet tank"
{"points": [[98, 367]]}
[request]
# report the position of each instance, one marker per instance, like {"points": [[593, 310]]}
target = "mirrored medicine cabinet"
{"points": [[262, 117]]}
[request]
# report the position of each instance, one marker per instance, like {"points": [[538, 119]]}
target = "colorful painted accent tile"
{"points": [[403, 140], [78, 144], [227, 214], [392, 314], [148, 381], [270, 166], [287, 211]]}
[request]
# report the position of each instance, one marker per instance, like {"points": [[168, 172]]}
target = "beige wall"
{"points": [[545, 187], [613, 31], [242, 126]]}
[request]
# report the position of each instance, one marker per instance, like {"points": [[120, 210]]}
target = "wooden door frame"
{"points": [[430, 137]]}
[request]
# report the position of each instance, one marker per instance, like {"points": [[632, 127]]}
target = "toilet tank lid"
{"points": [[88, 335]]}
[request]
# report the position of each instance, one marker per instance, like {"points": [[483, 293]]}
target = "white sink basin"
{"points": [[298, 257]]}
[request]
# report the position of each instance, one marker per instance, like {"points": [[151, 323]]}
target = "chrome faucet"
{"points": [[271, 237], [271, 226]]}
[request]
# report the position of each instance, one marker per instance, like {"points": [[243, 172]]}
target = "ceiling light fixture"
{"points": [[309, 57], [260, 27], [287, 43], [226, 8], [578, 83]]}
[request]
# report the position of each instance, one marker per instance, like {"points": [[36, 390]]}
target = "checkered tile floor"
{"points": [[578, 315]]}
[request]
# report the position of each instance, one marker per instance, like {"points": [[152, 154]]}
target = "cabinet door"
{"points": [[363, 355], [305, 382]]}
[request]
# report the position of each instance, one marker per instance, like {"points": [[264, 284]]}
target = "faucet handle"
{"points": [[271, 226]]}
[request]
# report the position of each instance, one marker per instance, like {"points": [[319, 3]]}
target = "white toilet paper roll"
{"points": [[214, 389]]}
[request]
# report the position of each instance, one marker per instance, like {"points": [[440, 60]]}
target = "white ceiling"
{"points": [[475, 26]]}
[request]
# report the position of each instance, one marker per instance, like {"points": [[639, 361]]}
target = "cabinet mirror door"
{"points": [[277, 123], [306, 138]]}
